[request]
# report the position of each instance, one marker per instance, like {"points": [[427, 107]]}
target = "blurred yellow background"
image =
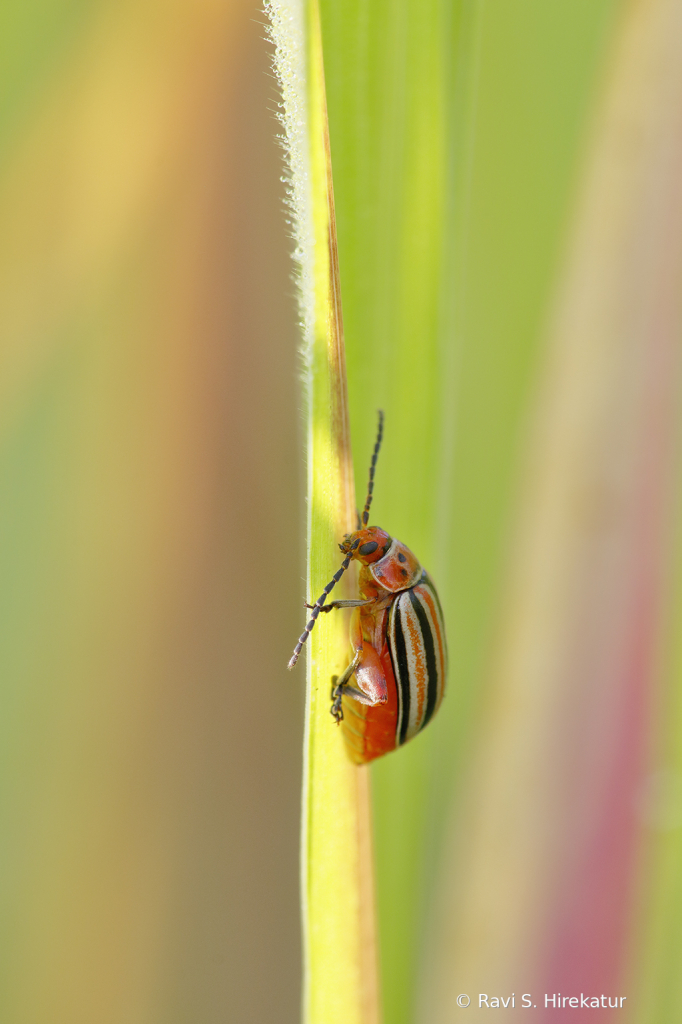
{"points": [[150, 520]]}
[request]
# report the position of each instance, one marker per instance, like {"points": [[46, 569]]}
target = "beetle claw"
{"points": [[336, 710]]}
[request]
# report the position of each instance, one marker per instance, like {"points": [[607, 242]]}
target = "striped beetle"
{"points": [[397, 636]]}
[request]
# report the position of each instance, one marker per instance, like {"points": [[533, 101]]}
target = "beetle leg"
{"points": [[343, 681], [342, 604], [339, 685], [369, 673], [336, 711]]}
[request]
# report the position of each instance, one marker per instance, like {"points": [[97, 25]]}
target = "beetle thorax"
{"points": [[397, 570]]}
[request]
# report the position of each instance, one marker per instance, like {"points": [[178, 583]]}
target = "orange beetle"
{"points": [[397, 636]]}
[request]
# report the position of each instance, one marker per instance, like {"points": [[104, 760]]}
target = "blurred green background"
{"points": [[457, 131], [507, 181]]}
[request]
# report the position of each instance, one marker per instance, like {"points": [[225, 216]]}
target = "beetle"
{"points": [[397, 636]]}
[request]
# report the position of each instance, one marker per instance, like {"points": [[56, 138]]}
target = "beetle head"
{"points": [[367, 545]]}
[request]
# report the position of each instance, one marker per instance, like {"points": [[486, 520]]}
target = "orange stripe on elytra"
{"points": [[418, 670]]}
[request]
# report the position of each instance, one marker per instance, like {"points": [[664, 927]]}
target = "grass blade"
{"points": [[340, 985]]}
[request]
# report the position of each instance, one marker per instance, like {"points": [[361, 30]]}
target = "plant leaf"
{"points": [[340, 984]]}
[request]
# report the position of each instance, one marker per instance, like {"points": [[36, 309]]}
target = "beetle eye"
{"points": [[369, 548]]}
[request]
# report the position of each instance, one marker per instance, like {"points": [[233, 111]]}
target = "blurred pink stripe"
{"points": [[590, 930]]}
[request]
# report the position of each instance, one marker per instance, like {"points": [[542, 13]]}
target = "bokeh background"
{"points": [[507, 183], [507, 177], [150, 520]]}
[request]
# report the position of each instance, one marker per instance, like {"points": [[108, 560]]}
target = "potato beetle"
{"points": [[397, 636]]}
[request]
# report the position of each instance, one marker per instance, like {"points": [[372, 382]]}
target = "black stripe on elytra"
{"points": [[430, 652], [401, 670]]}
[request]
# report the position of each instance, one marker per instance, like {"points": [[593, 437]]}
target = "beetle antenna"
{"points": [[317, 607], [372, 467]]}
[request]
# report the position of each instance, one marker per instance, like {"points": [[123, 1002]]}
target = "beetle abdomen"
{"points": [[416, 639]]}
